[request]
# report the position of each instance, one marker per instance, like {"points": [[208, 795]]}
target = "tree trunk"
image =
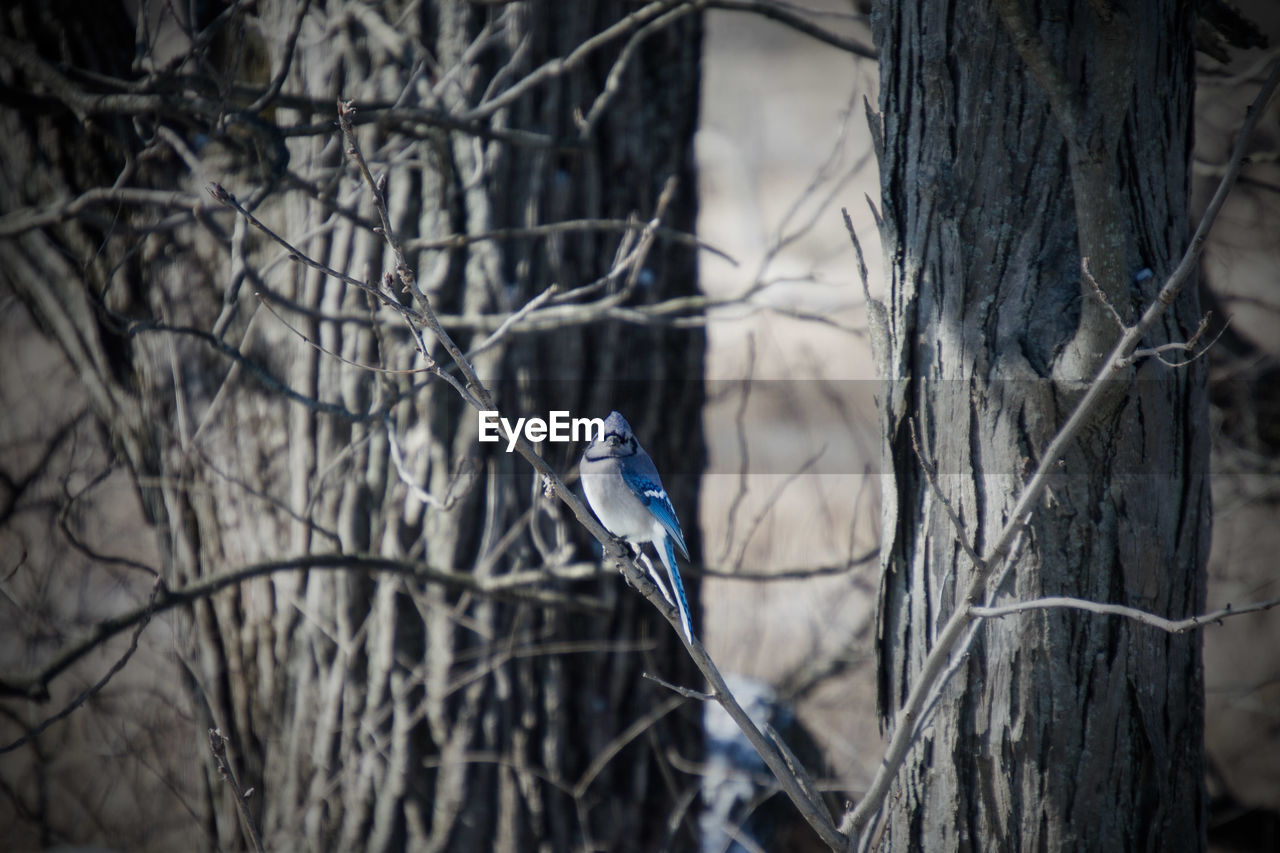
{"points": [[1004, 163], [378, 711]]}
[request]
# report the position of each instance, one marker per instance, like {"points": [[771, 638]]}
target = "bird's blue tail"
{"points": [[682, 604]]}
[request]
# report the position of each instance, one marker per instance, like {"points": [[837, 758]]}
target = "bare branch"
{"points": [[676, 688], [514, 318], [607, 753], [306, 339], [810, 807], [218, 746], [1181, 346], [789, 574], [221, 194], [1172, 626], [744, 451], [768, 504], [612, 83], [136, 327], [64, 522], [568, 226], [788, 15], [36, 686], [84, 696], [19, 221], [407, 478], [277, 82], [560, 66], [84, 104], [1102, 297]]}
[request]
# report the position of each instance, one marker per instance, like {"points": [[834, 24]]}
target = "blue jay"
{"points": [[626, 494]]}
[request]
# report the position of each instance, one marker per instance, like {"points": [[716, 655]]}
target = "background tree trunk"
{"points": [[368, 710], [1062, 730]]}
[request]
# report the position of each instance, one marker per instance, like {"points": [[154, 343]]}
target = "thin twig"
{"points": [[1182, 346], [771, 501], [567, 226], [1102, 297], [1172, 626], [744, 449], [789, 574], [291, 41], [686, 692], [73, 538], [138, 326], [406, 477], [218, 746], [263, 299], [515, 317], [85, 695], [611, 749], [221, 194], [36, 686], [782, 14], [19, 221], [561, 66], [612, 83]]}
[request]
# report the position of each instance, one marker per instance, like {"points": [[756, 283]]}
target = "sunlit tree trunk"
{"points": [[1061, 730]]}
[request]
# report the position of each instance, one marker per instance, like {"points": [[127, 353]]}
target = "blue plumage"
{"points": [[625, 492]]}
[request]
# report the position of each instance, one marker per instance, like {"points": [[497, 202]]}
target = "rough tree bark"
{"points": [[1004, 162], [374, 711]]}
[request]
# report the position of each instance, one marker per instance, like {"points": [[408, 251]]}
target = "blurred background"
{"points": [[789, 510]]}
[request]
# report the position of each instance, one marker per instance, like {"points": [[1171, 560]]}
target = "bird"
{"points": [[625, 492]]}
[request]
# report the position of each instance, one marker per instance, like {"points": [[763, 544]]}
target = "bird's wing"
{"points": [[650, 492]]}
